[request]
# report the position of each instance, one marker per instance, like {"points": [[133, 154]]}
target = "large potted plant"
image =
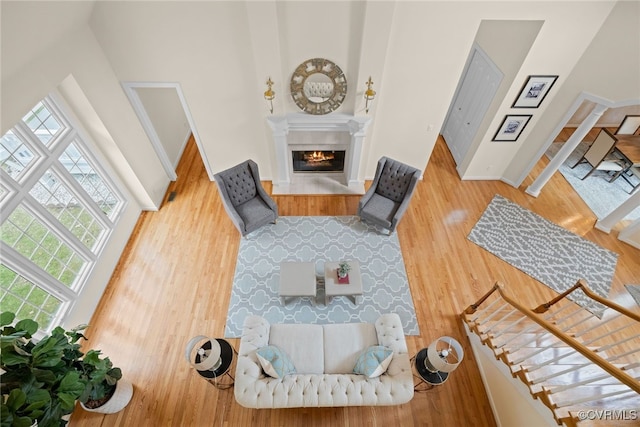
{"points": [[105, 390], [40, 382]]}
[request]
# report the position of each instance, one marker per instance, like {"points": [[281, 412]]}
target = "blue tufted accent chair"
{"points": [[388, 197], [244, 199]]}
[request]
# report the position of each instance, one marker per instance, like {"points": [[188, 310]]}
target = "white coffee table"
{"points": [[297, 279], [334, 289]]}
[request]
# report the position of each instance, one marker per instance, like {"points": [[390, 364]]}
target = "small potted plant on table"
{"points": [[343, 272]]}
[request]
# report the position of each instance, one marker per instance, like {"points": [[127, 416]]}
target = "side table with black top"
{"points": [[214, 377], [427, 379]]}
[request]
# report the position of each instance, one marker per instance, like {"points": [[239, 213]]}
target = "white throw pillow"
{"points": [[275, 361], [374, 361]]}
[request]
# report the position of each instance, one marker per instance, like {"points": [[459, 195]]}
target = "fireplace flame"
{"points": [[318, 156], [318, 161]]}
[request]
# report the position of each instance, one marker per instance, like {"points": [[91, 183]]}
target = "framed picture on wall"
{"points": [[534, 91], [511, 127]]}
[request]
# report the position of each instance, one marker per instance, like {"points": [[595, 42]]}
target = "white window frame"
{"points": [[17, 194]]}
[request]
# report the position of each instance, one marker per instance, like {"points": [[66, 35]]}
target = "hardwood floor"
{"points": [[174, 279]]}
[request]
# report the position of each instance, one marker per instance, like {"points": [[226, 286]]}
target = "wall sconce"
{"points": [[269, 95], [369, 95]]}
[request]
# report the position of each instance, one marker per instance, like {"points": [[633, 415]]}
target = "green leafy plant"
{"points": [[101, 378], [24, 400], [343, 269], [42, 380]]}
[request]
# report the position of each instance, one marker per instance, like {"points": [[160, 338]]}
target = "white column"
{"points": [[606, 224], [566, 150], [357, 129], [280, 130], [631, 234]]}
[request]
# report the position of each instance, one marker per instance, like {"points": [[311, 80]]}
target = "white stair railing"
{"points": [[577, 358]]}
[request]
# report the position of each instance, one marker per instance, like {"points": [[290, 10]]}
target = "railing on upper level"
{"points": [[571, 358]]}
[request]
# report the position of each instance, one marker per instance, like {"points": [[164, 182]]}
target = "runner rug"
{"points": [[545, 251], [319, 239]]}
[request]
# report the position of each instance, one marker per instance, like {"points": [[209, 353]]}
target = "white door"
{"points": [[474, 94]]}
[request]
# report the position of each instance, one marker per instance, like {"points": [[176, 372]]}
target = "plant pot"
{"points": [[343, 279], [120, 399]]}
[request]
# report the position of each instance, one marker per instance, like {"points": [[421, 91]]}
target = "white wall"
{"points": [[510, 399], [223, 52], [165, 112], [553, 53], [29, 31], [631, 234], [616, 42], [87, 120], [205, 47], [78, 54], [427, 49], [507, 43]]}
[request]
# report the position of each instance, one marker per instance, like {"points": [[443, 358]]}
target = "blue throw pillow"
{"points": [[374, 361], [275, 362]]}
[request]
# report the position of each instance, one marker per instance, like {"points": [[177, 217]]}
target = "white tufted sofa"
{"points": [[324, 356]]}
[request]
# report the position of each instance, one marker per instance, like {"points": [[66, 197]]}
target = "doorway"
{"points": [[597, 106], [166, 119]]}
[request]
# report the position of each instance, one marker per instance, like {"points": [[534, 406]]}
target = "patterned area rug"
{"points": [[319, 239], [599, 194], [634, 290], [545, 251]]}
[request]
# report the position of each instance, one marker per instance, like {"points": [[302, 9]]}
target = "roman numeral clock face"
{"points": [[318, 86]]}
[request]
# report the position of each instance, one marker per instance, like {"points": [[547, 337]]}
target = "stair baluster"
{"points": [[551, 336]]}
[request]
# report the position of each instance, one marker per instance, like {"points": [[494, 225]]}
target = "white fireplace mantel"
{"points": [[289, 129]]}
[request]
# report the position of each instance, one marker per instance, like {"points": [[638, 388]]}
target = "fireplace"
{"points": [[318, 161], [318, 154]]}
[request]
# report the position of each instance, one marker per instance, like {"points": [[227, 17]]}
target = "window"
{"points": [[58, 208], [27, 300], [15, 156], [38, 243]]}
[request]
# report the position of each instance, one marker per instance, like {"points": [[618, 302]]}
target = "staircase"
{"points": [[581, 367]]}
